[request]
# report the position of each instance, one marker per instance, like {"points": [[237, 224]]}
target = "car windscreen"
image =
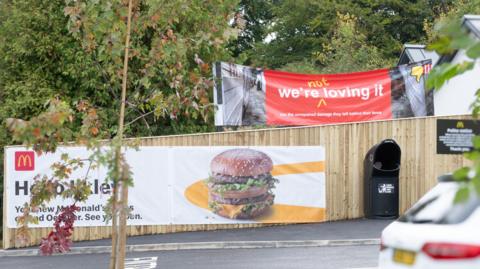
{"points": [[441, 209]]}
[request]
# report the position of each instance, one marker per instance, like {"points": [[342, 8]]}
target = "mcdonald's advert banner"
{"points": [[184, 185], [252, 96]]}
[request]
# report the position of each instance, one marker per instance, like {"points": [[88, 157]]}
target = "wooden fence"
{"points": [[345, 145]]}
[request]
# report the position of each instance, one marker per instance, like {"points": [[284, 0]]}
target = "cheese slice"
{"points": [[231, 211]]}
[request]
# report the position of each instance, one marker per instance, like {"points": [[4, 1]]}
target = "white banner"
{"points": [[186, 185]]}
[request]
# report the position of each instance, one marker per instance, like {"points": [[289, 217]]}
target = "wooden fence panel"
{"points": [[345, 148]]}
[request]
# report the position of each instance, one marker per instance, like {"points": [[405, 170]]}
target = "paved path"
{"points": [[342, 233], [351, 229], [342, 257]]}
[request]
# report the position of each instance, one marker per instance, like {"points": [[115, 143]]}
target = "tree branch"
{"points": [[140, 117]]}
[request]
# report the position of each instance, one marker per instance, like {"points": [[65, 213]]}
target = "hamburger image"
{"points": [[240, 184]]}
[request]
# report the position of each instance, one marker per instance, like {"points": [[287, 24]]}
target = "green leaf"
{"points": [[462, 195], [461, 174], [64, 157], [476, 142], [475, 111], [462, 42], [464, 67], [474, 51], [476, 184], [444, 72], [472, 155], [441, 45], [145, 82]]}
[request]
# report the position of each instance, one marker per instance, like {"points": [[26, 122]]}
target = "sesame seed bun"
{"points": [[241, 162]]}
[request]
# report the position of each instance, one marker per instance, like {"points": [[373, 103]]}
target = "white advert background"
{"points": [[161, 176]]}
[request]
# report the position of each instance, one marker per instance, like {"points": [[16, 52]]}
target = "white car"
{"points": [[435, 233]]}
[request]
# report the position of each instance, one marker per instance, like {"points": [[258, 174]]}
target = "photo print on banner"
{"points": [[247, 96], [185, 185]]}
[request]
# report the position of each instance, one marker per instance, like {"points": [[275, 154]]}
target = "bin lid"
{"points": [[385, 155]]}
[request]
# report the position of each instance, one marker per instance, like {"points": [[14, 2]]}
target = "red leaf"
{"points": [[36, 132], [58, 240]]}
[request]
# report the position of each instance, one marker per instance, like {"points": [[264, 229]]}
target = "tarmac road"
{"points": [[340, 257]]}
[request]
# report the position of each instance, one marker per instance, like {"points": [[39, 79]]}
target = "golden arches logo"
{"points": [[24, 161]]}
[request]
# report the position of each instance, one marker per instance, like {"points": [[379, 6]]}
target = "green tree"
{"points": [[39, 60], [302, 27], [160, 51], [254, 17], [347, 51], [293, 33], [173, 45]]}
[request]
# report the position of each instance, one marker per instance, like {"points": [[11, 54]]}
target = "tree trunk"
{"points": [[122, 202], [113, 255]]}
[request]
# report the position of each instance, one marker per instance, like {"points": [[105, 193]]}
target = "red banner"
{"points": [[320, 99], [246, 96]]}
